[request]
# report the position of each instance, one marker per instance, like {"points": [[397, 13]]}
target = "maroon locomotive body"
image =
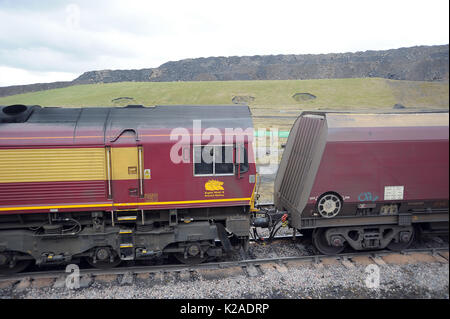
{"points": [[124, 183], [365, 179]]}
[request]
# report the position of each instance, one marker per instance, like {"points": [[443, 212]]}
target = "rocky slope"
{"points": [[421, 63]]}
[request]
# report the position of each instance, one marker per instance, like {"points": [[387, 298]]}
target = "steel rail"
{"points": [[168, 268]]}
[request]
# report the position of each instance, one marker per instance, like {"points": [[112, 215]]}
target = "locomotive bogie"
{"points": [[49, 239]]}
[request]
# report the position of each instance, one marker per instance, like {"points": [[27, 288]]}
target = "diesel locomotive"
{"points": [[109, 184]]}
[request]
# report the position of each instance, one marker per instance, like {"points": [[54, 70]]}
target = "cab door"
{"points": [[126, 167]]}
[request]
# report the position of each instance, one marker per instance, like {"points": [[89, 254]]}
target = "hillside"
{"points": [[421, 63], [272, 102], [329, 93]]}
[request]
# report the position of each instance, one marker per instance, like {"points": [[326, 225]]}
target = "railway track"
{"points": [[250, 267]]}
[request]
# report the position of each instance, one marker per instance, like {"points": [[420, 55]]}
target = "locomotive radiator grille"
{"points": [[52, 165], [52, 175]]}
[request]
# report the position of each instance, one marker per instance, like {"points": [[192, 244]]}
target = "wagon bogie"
{"points": [[334, 240]]}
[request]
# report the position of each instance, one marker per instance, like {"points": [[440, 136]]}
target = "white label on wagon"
{"points": [[393, 192]]}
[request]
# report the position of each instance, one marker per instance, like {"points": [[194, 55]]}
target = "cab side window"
{"points": [[213, 160]]}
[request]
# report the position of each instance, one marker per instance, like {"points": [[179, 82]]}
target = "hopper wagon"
{"points": [[368, 181]]}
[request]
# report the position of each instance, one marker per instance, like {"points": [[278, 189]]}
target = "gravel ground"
{"points": [[418, 280], [279, 249], [307, 281]]}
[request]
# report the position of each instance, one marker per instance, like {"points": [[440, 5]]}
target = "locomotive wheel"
{"points": [[18, 267], [190, 260], [192, 255], [321, 244], [106, 263], [402, 245]]}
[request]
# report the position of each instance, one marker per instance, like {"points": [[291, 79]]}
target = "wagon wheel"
{"points": [[402, 244], [321, 244], [329, 205]]}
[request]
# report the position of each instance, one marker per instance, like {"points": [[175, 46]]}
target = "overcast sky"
{"points": [[49, 40]]}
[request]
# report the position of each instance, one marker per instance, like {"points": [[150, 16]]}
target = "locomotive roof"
{"points": [[160, 116], [35, 125]]}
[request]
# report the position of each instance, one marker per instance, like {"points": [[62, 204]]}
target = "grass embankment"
{"points": [[330, 93]]}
